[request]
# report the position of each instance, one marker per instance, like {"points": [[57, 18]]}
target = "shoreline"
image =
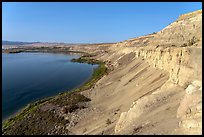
{"points": [[98, 73], [50, 49]]}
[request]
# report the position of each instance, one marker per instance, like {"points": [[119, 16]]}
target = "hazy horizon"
{"points": [[44, 42]]}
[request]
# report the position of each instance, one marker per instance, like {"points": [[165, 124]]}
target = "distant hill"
{"points": [[4, 42], [19, 43], [14, 44]]}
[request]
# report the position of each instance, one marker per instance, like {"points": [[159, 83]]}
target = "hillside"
{"points": [[155, 87]]}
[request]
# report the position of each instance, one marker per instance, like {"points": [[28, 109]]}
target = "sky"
{"points": [[88, 22]]}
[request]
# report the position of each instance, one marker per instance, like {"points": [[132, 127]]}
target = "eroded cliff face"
{"points": [[183, 64], [176, 49]]}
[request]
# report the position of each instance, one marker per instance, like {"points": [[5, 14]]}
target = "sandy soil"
{"points": [[115, 93]]}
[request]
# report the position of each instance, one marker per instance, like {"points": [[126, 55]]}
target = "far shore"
{"points": [[41, 49]]}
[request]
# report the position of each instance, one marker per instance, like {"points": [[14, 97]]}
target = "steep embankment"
{"points": [[147, 85]]}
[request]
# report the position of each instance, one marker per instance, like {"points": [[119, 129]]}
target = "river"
{"points": [[28, 77]]}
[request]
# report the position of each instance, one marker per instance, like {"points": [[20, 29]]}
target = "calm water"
{"points": [[27, 77]]}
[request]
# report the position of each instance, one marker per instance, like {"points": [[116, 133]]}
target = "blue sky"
{"points": [[88, 22]]}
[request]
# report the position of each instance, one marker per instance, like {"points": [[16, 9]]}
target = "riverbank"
{"points": [[97, 74], [74, 96]]}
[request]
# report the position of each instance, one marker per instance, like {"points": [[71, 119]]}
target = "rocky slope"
{"points": [[148, 82]]}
